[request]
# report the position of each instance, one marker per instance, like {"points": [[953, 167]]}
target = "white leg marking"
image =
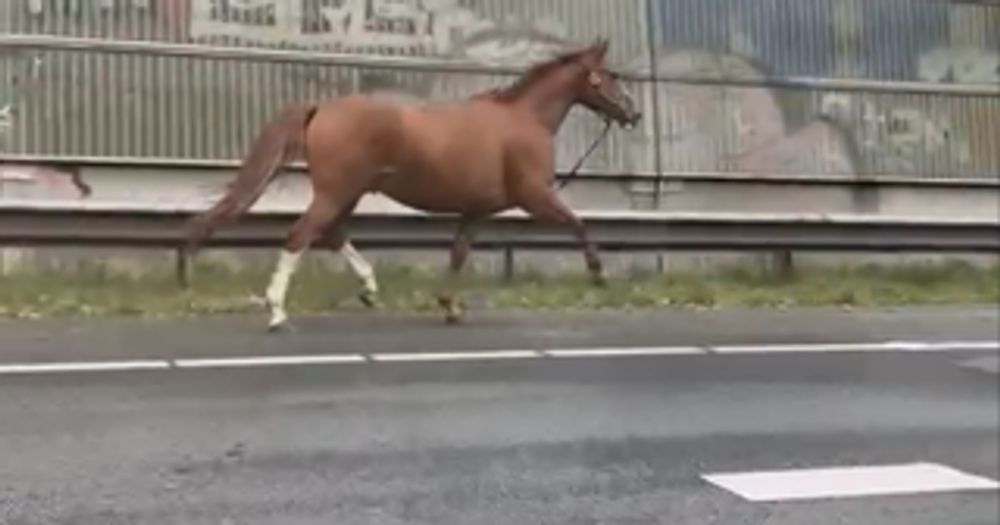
{"points": [[362, 269], [278, 288]]}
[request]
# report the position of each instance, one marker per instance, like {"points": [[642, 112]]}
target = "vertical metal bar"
{"points": [[197, 91], [101, 96], [179, 106], [247, 92], [86, 85], [653, 45]]}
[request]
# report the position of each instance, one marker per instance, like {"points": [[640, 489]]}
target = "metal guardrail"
{"points": [[75, 163], [93, 224], [167, 49]]}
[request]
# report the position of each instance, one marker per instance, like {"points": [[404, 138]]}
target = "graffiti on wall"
{"points": [[708, 129], [40, 182], [774, 131], [702, 128], [17, 74], [393, 27], [962, 65], [39, 7]]}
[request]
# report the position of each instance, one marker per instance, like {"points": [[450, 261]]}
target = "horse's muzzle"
{"points": [[632, 120], [628, 115]]}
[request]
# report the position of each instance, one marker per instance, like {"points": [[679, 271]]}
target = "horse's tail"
{"points": [[279, 141]]}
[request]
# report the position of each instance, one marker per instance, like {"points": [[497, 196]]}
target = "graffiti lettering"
{"points": [[39, 7], [42, 183], [364, 26], [969, 65]]}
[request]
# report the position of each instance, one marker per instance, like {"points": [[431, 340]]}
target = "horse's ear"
{"points": [[600, 47]]}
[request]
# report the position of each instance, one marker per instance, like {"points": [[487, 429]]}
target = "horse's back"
{"points": [[446, 156]]}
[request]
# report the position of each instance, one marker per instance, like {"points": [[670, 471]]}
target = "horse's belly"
{"points": [[439, 193]]}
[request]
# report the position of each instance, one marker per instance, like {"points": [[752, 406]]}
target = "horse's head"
{"points": [[582, 78], [599, 89]]}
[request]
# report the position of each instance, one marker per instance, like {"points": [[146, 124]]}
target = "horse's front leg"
{"points": [[447, 296], [544, 205]]}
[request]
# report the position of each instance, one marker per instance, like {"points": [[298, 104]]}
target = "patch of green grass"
{"points": [[94, 290]]}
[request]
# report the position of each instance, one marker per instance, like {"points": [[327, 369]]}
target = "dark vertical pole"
{"points": [[651, 42], [183, 268], [508, 264]]}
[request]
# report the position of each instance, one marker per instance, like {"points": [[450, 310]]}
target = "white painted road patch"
{"points": [[990, 364], [847, 482]]}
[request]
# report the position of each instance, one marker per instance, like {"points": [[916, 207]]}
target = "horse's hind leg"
{"points": [[338, 240], [544, 205], [307, 229]]}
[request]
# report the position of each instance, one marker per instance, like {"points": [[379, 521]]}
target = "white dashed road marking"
{"points": [[456, 356], [844, 482], [625, 352], [241, 362], [790, 348], [95, 366], [488, 355]]}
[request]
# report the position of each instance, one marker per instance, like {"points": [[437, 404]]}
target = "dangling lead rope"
{"points": [[573, 172]]}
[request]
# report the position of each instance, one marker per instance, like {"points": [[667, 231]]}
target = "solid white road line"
{"points": [[248, 362], [624, 352], [456, 356], [490, 355], [843, 482], [96, 366]]}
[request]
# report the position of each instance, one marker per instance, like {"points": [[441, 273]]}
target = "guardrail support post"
{"points": [[508, 264], [183, 268], [782, 265]]}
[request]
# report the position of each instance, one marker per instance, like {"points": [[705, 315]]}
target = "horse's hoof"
{"points": [[599, 281], [369, 299], [444, 302], [282, 327], [452, 308]]}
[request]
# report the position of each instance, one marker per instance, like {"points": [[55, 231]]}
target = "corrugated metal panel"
{"points": [[100, 105], [104, 105], [168, 107]]}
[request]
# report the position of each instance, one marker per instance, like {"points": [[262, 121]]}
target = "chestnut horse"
{"points": [[473, 158]]}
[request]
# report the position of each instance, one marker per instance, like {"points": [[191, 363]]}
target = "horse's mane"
{"points": [[517, 88]]}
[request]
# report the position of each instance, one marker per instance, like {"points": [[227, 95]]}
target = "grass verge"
{"points": [[98, 291]]}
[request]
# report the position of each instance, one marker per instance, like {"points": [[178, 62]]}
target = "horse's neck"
{"points": [[549, 103]]}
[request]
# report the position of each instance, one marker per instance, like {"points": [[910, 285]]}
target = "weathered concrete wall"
{"points": [[200, 187]]}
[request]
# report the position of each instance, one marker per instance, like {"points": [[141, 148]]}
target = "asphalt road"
{"points": [[594, 439]]}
